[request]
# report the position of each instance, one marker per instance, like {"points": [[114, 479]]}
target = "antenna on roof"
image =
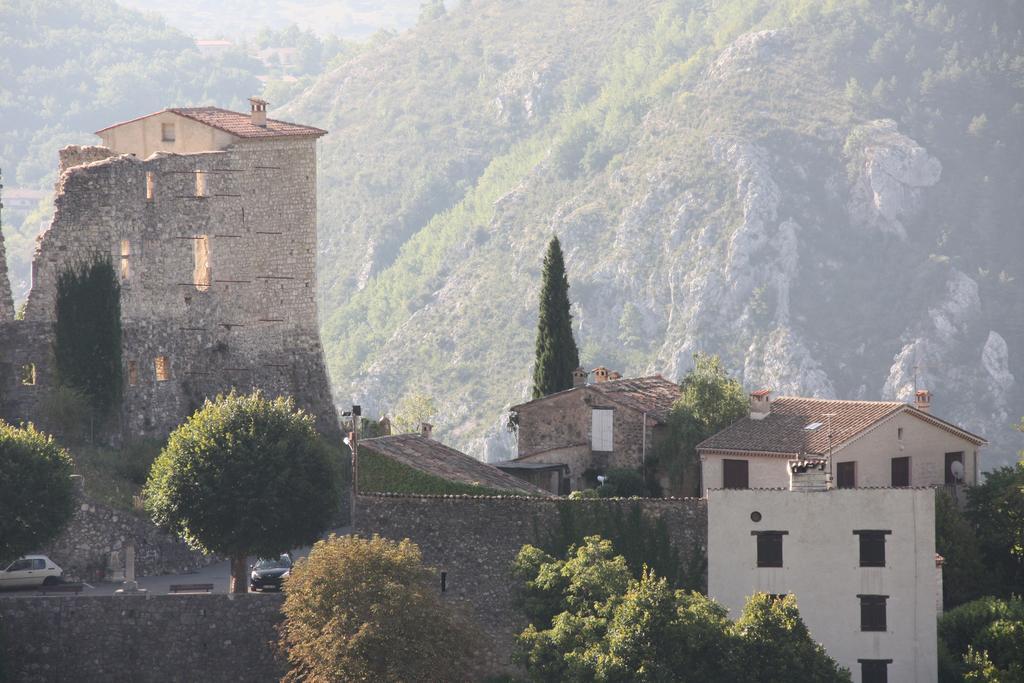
{"points": [[828, 417]]}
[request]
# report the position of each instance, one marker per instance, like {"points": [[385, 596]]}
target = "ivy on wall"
{"points": [[380, 474], [643, 541], [87, 343]]}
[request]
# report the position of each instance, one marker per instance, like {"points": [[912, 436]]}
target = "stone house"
{"points": [[209, 217], [608, 424], [868, 443], [860, 562]]}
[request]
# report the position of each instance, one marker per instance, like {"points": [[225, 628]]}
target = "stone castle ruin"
{"points": [[209, 217]]}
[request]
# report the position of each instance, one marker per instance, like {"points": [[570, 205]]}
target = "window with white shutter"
{"points": [[601, 429]]}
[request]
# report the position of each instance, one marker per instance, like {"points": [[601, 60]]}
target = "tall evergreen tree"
{"points": [[556, 352]]}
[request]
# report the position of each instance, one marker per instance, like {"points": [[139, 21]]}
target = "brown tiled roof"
{"points": [[784, 431], [433, 457], [653, 395], [238, 124]]}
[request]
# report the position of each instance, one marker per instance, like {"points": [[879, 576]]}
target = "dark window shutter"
{"points": [[846, 477], [950, 459], [872, 612], [769, 549], [872, 549], [901, 471], [736, 474], [874, 670]]}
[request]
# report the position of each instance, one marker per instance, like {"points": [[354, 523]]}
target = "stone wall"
{"points": [[91, 548], [218, 287], [157, 638], [475, 539]]}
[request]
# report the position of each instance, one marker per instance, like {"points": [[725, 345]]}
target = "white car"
{"points": [[30, 570]]}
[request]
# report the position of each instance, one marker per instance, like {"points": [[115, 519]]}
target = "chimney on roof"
{"points": [[615, 375], [923, 400], [426, 429], [760, 404], [579, 377], [258, 109], [384, 426], [601, 374], [808, 475]]}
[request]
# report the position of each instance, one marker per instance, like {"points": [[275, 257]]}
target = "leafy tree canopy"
{"points": [[983, 641], [957, 542], [36, 495], [244, 476], [710, 400], [412, 410], [556, 355], [592, 620], [368, 610]]}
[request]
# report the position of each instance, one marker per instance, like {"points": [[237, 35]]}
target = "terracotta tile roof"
{"points": [[653, 395], [784, 431], [236, 123], [433, 457]]}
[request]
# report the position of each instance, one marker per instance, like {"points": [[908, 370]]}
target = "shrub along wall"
{"points": [[474, 539]]}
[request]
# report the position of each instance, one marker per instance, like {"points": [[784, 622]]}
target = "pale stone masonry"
{"points": [[213, 235]]}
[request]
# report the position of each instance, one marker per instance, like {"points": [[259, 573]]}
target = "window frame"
{"points": [[765, 541], [892, 471], [602, 424], [869, 606], [840, 469], [948, 475], [867, 537], [866, 664], [164, 137]]}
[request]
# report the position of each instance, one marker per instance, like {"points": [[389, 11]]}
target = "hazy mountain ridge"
{"points": [[798, 190]]}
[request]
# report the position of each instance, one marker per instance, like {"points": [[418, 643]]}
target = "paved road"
{"points": [[218, 574]]}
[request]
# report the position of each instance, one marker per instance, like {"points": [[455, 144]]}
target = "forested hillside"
{"points": [[825, 193], [68, 68]]}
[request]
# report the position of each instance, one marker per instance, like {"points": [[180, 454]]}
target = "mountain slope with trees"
{"points": [[825, 194]]}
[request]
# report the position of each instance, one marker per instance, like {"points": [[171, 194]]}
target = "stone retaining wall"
{"points": [[475, 539], [183, 638]]}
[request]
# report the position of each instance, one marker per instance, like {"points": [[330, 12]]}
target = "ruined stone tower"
{"points": [[209, 216]]}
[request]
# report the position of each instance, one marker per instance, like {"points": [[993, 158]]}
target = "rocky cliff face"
{"points": [[742, 196]]}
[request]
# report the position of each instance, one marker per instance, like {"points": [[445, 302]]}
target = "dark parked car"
{"points": [[270, 573]]}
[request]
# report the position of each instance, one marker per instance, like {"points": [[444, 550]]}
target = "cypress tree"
{"points": [[556, 353], [87, 343]]}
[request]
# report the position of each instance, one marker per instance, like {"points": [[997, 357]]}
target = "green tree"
{"points": [[710, 400], [244, 476], [996, 510], [87, 340], [556, 352], [368, 610], [36, 495], [590, 619], [430, 10], [982, 640], [957, 542], [412, 410]]}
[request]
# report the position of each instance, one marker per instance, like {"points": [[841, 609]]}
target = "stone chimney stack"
{"points": [[808, 475], [259, 111], [579, 377], [426, 429], [923, 400], [760, 404], [601, 374], [615, 375], [384, 426]]}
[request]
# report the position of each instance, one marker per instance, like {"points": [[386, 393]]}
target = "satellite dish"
{"points": [[601, 479], [957, 468]]}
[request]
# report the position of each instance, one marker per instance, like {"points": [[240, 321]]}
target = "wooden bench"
{"points": [[191, 588], [62, 588]]}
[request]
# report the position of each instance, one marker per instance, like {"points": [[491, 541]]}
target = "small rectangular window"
{"points": [[28, 374], [872, 547], [126, 252], [901, 471], [735, 474], [899, 433], [133, 372], [769, 547], [167, 132], [874, 670], [200, 183], [601, 435], [846, 475], [149, 185], [163, 368], [872, 612]]}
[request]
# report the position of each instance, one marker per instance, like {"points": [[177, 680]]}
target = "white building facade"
{"points": [[861, 563]]}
